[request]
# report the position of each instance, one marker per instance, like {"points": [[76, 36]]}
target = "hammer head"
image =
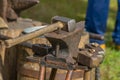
{"points": [[69, 24]]}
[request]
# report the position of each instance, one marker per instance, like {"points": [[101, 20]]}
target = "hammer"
{"points": [[58, 22]]}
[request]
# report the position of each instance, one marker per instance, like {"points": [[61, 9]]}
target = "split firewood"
{"points": [[3, 24], [2, 51]]}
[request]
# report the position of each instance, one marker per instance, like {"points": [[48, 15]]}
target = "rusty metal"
{"points": [[70, 24], [69, 75], [42, 73], [41, 49], [64, 53], [65, 50], [96, 36], [53, 62], [91, 56], [33, 59], [68, 43]]}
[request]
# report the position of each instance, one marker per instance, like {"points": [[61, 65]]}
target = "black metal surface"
{"points": [[41, 49]]}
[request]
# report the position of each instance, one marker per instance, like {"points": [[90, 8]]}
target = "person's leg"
{"points": [[116, 33], [96, 17]]}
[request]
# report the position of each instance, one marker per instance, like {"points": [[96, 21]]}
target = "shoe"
{"points": [[103, 46], [117, 47]]}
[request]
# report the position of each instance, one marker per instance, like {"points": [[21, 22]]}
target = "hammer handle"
{"points": [[11, 42]]}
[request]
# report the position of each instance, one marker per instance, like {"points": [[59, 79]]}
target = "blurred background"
{"points": [[45, 10]]}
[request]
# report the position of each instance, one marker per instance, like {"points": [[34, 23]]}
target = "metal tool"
{"points": [[64, 51], [66, 43], [64, 35], [50, 28], [69, 23], [91, 56]]}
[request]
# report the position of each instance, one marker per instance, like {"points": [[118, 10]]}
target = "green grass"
{"points": [[47, 9], [110, 69]]}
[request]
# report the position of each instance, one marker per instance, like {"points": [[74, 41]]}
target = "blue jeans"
{"points": [[96, 19], [116, 32]]}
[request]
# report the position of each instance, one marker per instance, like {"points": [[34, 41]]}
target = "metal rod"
{"points": [[69, 75], [42, 73], [57, 50], [96, 36], [53, 74]]}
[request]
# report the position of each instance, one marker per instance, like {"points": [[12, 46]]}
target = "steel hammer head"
{"points": [[69, 24]]}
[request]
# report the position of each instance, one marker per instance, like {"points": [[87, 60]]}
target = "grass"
{"points": [[110, 69], [47, 9], [76, 9]]}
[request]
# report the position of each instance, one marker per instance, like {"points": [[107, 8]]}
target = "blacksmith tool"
{"points": [[66, 23]]}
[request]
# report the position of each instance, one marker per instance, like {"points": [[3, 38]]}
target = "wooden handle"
{"points": [[11, 42]]}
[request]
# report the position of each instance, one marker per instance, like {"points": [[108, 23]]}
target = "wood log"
{"points": [[7, 62], [3, 25]]}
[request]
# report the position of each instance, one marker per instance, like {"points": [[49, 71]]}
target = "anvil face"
{"points": [[65, 44]]}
